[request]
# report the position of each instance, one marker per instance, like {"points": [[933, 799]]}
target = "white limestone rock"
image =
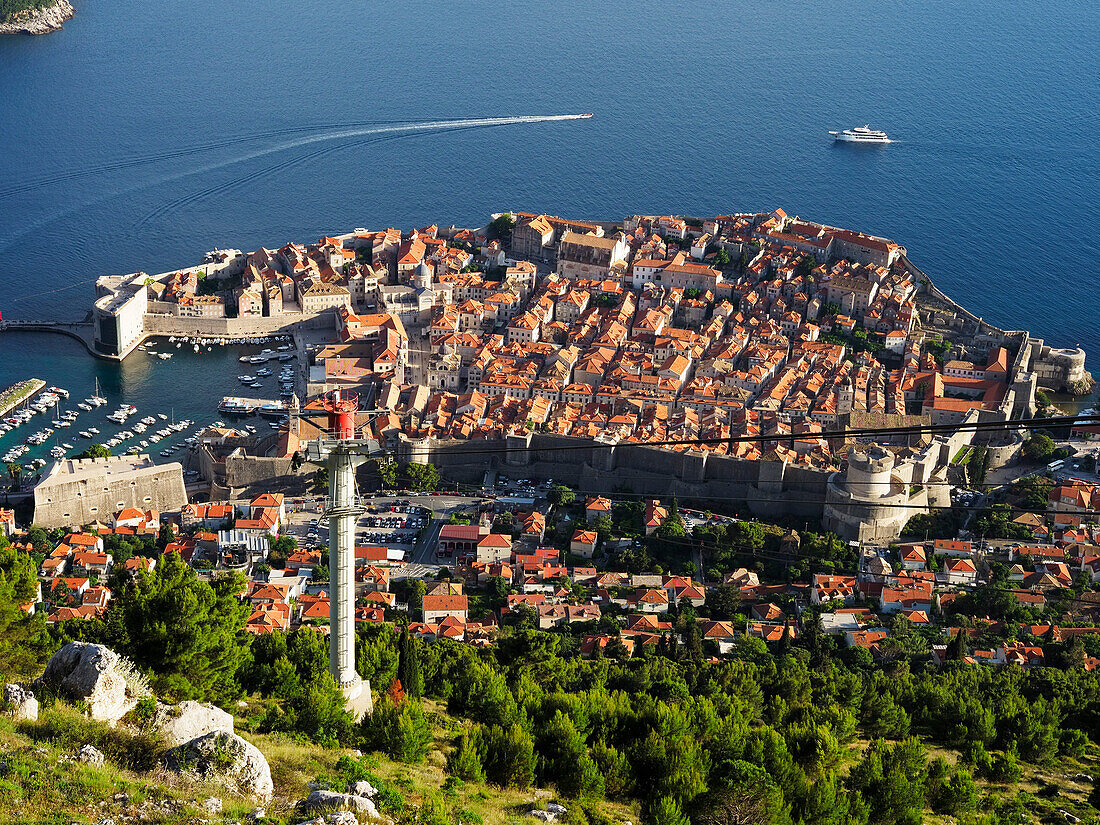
{"points": [[320, 801], [97, 676], [20, 703], [228, 758], [189, 720], [212, 805], [362, 788], [90, 755]]}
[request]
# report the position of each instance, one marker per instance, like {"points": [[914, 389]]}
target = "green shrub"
{"points": [[68, 730]]}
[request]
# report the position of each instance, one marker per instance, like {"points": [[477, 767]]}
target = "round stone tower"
{"points": [[869, 473]]}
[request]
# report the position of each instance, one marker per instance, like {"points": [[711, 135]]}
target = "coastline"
{"points": [[39, 21]]}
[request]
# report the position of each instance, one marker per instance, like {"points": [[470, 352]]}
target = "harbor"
{"points": [[155, 403]]}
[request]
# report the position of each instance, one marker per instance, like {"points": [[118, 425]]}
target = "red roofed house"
{"points": [[84, 541], [268, 617], [826, 589], [459, 539], [314, 608], [655, 515], [596, 507], [919, 597], [770, 632], [724, 634], [436, 607], [137, 519], [137, 564], [266, 593], [912, 556], [583, 543], [952, 547], [494, 547], [267, 501], [374, 579], [684, 590], [91, 563], [534, 526], [1021, 654], [960, 572], [649, 601]]}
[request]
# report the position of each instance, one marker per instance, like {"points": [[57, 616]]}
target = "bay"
{"points": [[146, 133]]}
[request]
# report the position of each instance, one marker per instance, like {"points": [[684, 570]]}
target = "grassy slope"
{"points": [[39, 785]]}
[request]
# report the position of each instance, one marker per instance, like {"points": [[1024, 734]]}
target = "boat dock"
{"points": [[19, 393], [235, 405]]}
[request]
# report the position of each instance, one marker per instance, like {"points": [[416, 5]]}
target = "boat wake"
{"points": [[375, 134], [379, 130]]}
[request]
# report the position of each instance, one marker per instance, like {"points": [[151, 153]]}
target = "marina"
{"points": [[150, 404]]}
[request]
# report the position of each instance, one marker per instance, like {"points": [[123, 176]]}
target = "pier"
{"points": [[19, 393]]}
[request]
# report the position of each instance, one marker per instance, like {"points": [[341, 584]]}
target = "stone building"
{"points": [[80, 491], [590, 256], [870, 501]]}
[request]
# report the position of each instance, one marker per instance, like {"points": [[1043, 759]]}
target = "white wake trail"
{"points": [[396, 130], [7, 242]]}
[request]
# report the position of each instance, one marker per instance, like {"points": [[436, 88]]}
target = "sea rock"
{"points": [[21, 703], [189, 720], [90, 755], [38, 21], [320, 801], [96, 675], [228, 758], [362, 788]]}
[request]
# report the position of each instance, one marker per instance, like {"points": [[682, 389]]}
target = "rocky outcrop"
{"points": [[189, 720], [97, 676], [226, 758], [38, 21], [90, 755], [20, 704], [321, 801]]}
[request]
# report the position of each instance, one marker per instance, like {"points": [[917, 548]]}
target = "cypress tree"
{"points": [[408, 664]]}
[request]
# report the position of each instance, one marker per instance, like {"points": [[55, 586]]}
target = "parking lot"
{"points": [[391, 523]]}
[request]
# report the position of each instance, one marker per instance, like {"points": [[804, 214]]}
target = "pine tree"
{"points": [[666, 811], [187, 632], [464, 761]]}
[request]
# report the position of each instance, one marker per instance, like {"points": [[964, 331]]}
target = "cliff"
{"points": [[38, 21]]}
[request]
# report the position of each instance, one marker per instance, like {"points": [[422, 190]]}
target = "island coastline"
{"points": [[39, 21]]}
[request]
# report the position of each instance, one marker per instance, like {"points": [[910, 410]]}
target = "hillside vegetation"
{"points": [[10, 8], [801, 732]]}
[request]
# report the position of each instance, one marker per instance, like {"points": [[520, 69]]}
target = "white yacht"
{"points": [[861, 134]]}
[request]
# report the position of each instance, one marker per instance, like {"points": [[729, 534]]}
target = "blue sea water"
{"points": [[148, 132]]}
